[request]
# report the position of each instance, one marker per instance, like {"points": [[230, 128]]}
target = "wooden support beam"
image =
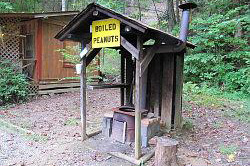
{"points": [[149, 56], [87, 49], [91, 55], [129, 79], [122, 78], [130, 48], [121, 18], [105, 86], [83, 101], [132, 160], [156, 82], [138, 92], [94, 133], [167, 48], [125, 157], [178, 90], [83, 17], [167, 91]]}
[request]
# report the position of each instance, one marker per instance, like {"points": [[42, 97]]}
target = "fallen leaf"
{"points": [[231, 158]]}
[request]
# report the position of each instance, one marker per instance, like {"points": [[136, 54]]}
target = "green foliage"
{"points": [[227, 150], [117, 5], [110, 65], [235, 105], [203, 96], [71, 122], [239, 109], [71, 54], [13, 84], [222, 57], [6, 7], [188, 124]]}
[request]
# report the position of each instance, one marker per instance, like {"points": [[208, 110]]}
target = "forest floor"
{"points": [[48, 133]]}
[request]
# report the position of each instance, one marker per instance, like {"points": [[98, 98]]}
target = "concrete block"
{"points": [[149, 128]]}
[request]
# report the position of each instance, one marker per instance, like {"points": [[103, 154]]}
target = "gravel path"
{"points": [[53, 134]]}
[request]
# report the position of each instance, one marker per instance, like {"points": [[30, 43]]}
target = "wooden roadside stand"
{"points": [[155, 70]]}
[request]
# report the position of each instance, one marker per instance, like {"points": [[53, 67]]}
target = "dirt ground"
{"points": [[51, 134]]}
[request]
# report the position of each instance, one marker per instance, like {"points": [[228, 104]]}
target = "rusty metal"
{"points": [[127, 108], [130, 120]]}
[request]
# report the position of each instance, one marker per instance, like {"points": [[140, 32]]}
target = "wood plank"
{"points": [[178, 91], [55, 91], [167, 91], [91, 55], [149, 56], [39, 49], [138, 92], [155, 78], [86, 50], [125, 157], [104, 86], [129, 79], [56, 22], [83, 17], [122, 78], [167, 48], [116, 16], [59, 85], [130, 48], [94, 133], [83, 101]]}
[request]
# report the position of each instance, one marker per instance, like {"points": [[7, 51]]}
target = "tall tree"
{"points": [[171, 15], [63, 5]]}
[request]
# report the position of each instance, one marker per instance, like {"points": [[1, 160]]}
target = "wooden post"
{"points": [[129, 77], [122, 77], [165, 153], [83, 98], [138, 93], [167, 91], [178, 90], [155, 79]]}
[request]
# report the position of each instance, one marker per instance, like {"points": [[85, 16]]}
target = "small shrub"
{"points": [[188, 124], [227, 150], [71, 122], [13, 84]]}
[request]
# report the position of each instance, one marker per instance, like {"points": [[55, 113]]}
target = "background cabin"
{"points": [[28, 40]]}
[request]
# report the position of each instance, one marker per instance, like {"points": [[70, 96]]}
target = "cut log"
{"points": [[165, 154]]}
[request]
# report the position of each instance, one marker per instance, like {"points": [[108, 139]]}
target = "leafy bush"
{"points": [[111, 63], [71, 54], [222, 57], [13, 84]]}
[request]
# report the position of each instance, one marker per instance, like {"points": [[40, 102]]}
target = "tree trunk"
{"points": [[177, 2], [63, 5], [165, 154], [171, 15]]}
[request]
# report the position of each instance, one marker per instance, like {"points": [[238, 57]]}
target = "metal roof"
{"points": [[81, 22]]}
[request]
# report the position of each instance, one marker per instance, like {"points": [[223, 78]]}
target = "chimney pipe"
{"points": [[186, 7]]}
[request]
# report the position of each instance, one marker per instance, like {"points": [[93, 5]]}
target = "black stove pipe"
{"points": [[186, 7]]}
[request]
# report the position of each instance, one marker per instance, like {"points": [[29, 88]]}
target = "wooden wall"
{"points": [[52, 66], [165, 80]]}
